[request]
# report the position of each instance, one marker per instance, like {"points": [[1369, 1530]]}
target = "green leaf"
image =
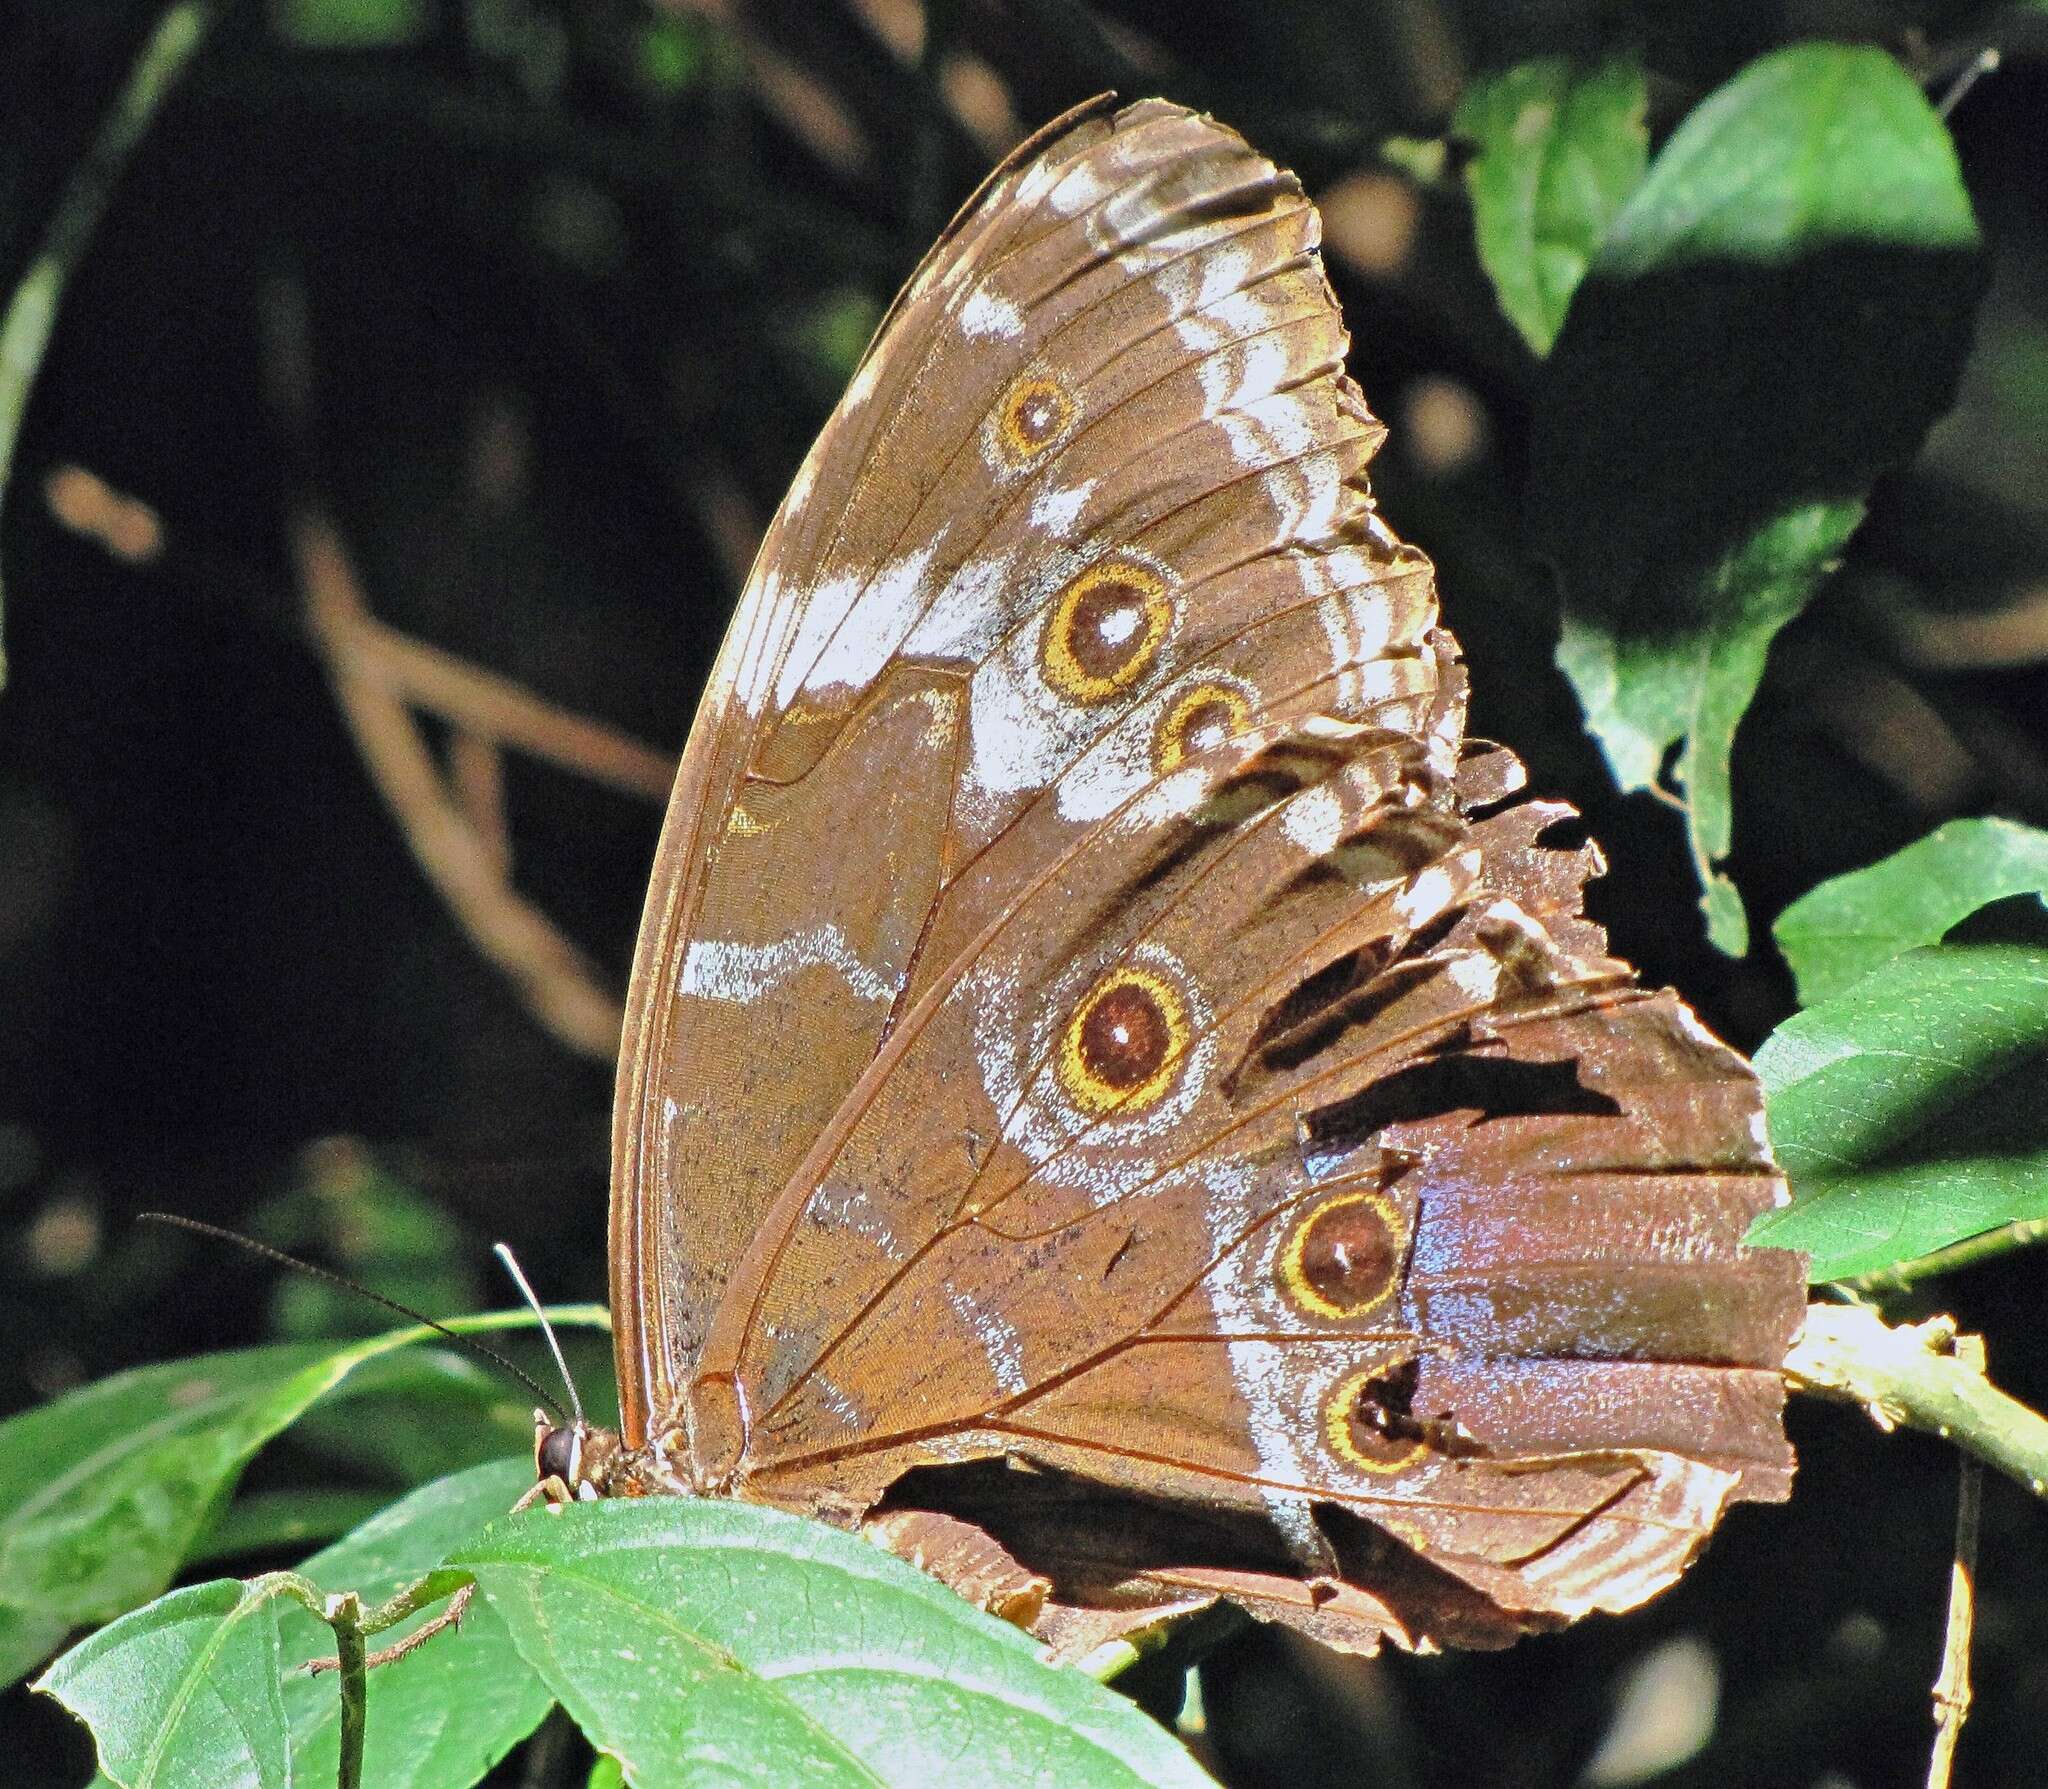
{"points": [[217, 1706], [1559, 146], [694, 1638], [1845, 928], [277, 1521], [351, 24], [446, 1712], [1644, 693], [1774, 319], [1907, 1112], [105, 1492], [184, 1691]]}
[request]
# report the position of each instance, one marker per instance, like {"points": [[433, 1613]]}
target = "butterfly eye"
{"points": [[1105, 629], [560, 1455], [1344, 1257], [1367, 1422], [1121, 1048], [1199, 720], [1032, 416]]}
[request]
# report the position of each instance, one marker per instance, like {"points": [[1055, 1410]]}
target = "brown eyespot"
{"points": [[1105, 630], [1031, 416], [1124, 1043], [1200, 718], [1368, 1427], [1344, 1257]]}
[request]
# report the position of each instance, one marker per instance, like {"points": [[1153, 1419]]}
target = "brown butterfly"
{"points": [[1115, 1102]]}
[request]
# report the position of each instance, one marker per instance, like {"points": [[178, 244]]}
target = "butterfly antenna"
{"points": [[547, 1329], [390, 1304]]}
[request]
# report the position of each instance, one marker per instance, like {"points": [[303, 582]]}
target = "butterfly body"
{"points": [[1110, 1069]]}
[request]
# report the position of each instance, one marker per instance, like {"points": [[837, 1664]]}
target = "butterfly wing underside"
{"points": [[1097, 1011]]}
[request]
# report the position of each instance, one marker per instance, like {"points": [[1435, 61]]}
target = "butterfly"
{"points": [[1119, 1100]]}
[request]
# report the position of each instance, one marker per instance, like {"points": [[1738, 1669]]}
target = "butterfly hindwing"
{"points": [[1096, 1012]]}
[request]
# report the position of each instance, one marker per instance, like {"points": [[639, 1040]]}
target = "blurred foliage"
{"points": [[1717, 373]]}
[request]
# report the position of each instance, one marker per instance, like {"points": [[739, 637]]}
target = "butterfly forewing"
{"points": [[1093, 1011]]}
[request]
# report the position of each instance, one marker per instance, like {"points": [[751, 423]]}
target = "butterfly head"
{"points": [[573, 1461]]}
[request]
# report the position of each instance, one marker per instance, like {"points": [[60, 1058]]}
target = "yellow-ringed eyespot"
{"points": [[1105, 629], [1344, 1257], [1124, 1043], [1354, 1435], [1031, 416], [1202, 717]]}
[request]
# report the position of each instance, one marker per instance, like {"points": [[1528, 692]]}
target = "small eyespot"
{"points": [[1343, 1259], [1124, 1043], [1362, 1429], [1201, 718], [1032, 416], [1105, 629]]}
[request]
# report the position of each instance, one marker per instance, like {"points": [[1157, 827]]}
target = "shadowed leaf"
{"points": [[1907, 1112], [1775, 318]]}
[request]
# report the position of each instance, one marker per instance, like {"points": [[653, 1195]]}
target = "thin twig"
{"points": [[558, 984], [498, 709], [1922, 1375], [1952, 1687], [480, 705], [32, 310]]}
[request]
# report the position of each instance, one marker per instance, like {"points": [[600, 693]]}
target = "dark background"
{"points": [[575, 283]]}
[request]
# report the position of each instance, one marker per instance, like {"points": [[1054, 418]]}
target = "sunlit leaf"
{"points": [[106, 1491], [692, 1638], [1907, 1112], [1559, 147], [184, 1691], [1847, 927]]}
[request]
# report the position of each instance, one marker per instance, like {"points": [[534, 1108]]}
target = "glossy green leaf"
{"points": [[445, 1713], [704, 1641], [184, 1691], [1908, 1111], [1774, 319], [106, 1491], [1559, 146], [1847, 927]]}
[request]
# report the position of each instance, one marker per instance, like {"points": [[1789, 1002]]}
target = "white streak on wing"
{"points": [[1080, 187], [806, 477], [965, 618], [869, 630], [1433, 889], [862, 385], [753, 667], [718, 969], [818, 618], [988, 313], [1314, 820], [1476, 977], [1056, 509], [1260, 1369], [1230, 380], [998, 1338]]}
